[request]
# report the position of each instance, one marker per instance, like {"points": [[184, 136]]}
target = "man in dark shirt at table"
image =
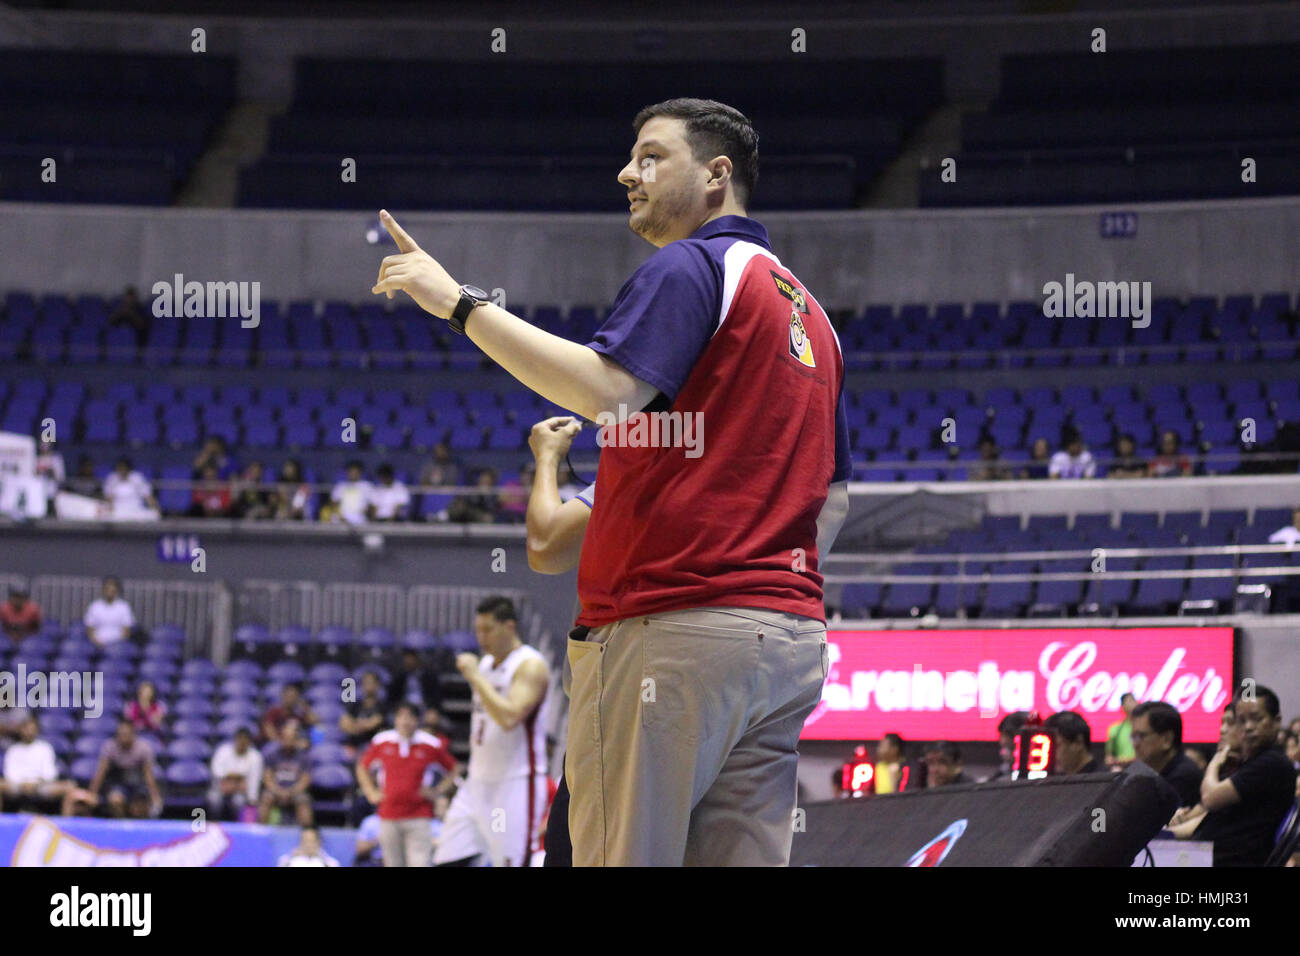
{"points": [[1073, 743], [1158, 742], [1244, 811]]}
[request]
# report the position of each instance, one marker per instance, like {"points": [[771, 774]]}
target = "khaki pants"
{"points": [[406, 842], [683, 729]]}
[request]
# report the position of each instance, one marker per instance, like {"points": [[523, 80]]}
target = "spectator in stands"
{"points": [[442, 469], [1119, 736], [31, 781], [125, 778], [146, 711], [109, 618], [1073, 743], [477, 509], [1288, 535], [365, 717], [1008, 727], [990, 466], [292, 494], [236, 777], [433, 723], [893, 773], [389, 500], [130, 312], [50, 469], [1241, 813], [1126, 463], [292, 706], [1169, 462], [1040, 460], [211, 497], [1158, 743], [286, 776], [514, 504], [405, 801], [214, 453], [416, 681], [1074, 460], [351, 495], [253, 499], [128, 491], [84, 481], [308, 852], [20, 616], [1291, 747], [943, 765]]}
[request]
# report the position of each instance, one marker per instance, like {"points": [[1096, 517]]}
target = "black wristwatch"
{"points": [[471, 297]]}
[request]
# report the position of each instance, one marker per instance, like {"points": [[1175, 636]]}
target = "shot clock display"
{"points": [[1033, 754]]}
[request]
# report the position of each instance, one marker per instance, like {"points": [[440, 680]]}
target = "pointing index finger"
{"points": [[404, 242]]}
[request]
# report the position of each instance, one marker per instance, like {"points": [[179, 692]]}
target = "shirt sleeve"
{"points": [[368, 757], [843, 453], [664, 316], [588, 495], [443, 756], [49, 770]]}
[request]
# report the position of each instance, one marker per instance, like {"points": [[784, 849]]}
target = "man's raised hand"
{"points": [[416, 273]]}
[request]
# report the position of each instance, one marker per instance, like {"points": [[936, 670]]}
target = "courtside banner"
{"points": [[956, 685], [28, 840]]}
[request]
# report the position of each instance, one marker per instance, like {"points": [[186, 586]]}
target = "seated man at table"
{"points": [[1158, 742], [1073, 743]]}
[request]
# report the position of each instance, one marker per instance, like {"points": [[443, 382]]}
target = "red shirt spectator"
{"points": [[145, 717], [406, 761], [20, 616]]}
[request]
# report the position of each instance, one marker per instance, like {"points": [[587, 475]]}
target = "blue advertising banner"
{"points": [[27, 840]]}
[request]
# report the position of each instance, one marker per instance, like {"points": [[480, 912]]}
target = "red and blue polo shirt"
{"points": [[730, 336], [407, 763]]}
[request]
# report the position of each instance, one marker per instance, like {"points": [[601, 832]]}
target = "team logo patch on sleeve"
{"points": [[800, 347]]}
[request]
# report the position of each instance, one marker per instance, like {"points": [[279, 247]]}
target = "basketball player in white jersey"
{"points": [[497, 811]]}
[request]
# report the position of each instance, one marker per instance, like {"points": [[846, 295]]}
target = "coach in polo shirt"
{"points": [[702, 613]]}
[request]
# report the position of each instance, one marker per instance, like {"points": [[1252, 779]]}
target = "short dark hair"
{"points": [[116, 580], [500, 607], [296, 685], [354, 463], [1069, 726], [1272, 706], [1011, 723], [385, 470], [1163, 718], [407, 705], [713, 129], [243, 731], [895, 739], [951, 752], [1125, 695]]}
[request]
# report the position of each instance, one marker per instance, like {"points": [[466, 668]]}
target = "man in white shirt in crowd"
{"points": [[308, 852], [389, 500], [236, 776], [1073, 461], [1289, 534], [128, 491], [109, 619], [352, 495], [31, 777]]}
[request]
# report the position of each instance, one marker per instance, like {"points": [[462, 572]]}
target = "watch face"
{"points": [[475, 291]]}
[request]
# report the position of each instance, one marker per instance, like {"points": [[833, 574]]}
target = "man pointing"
{"points": [[700, 648]]}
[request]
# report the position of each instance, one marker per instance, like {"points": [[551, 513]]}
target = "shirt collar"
{"points": [[741, 226]]}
